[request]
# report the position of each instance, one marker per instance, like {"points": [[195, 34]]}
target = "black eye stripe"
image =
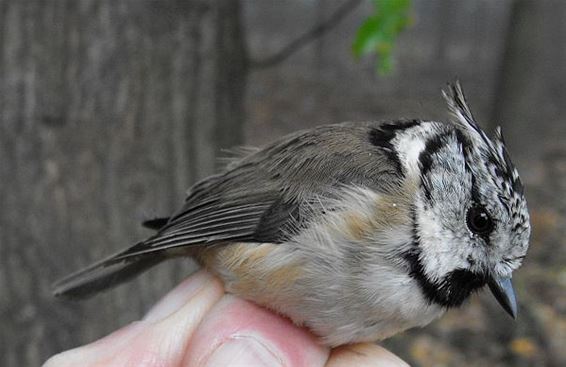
{"points": [[432, 146]]}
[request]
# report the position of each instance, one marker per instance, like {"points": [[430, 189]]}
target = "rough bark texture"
{"points": [[230, 85], [107, 111], [531, 80]]}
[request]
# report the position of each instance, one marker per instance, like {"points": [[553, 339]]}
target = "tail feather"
{"points": [[104, 275]]}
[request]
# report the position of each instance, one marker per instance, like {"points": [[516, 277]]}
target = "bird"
{"points": [[357, 230]]}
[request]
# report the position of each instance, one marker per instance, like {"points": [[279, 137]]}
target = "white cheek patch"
{"points": [[409, 149], [442, 251], [434, 245]]}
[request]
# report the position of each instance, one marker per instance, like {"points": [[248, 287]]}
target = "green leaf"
{"points": [[367, 38], [377, 35]]}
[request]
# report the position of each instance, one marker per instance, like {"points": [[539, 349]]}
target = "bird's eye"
{"points": [[479, 221]]}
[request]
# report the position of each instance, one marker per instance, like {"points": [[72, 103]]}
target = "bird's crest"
{"points": [[493, 151]]}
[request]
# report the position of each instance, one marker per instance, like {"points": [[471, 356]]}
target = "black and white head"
{"points": [[471, 224]]}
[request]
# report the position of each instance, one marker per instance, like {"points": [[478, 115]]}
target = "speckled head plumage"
{"points": [[471, 222]]}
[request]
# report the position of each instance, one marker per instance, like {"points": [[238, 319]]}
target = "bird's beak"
{"points": [[503, 291]]}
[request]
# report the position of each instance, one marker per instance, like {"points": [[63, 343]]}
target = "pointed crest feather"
{"points": [[495, 149], [458, 106]]}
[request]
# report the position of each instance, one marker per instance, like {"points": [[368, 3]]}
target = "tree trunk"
{"points": [[532, 73], [107, 114]]}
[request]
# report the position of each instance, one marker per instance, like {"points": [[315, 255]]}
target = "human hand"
{"points": [[197, 324]]}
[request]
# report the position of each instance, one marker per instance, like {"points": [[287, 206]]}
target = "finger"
{"points": [[160, 338], [172, 323], [239, 333], [362, 355], [91, 354]]}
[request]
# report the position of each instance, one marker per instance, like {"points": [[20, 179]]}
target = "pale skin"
{"points": [[198, 324]]}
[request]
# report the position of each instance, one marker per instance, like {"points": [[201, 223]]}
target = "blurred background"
{"points": [[109, 110]]}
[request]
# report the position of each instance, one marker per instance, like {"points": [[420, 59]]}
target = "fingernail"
{"points": [[244, 350], [178, 297]]}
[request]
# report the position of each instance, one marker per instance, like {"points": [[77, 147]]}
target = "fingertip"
{"points": [[181, 294], [364, 355]]}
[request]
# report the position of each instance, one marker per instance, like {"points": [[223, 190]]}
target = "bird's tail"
{"points": [[105, 274], [113, 270]]}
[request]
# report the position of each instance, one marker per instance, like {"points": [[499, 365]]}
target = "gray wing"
{"points": [[265, 196]]}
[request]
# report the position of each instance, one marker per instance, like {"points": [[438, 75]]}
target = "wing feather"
{"points": [[264, 197]]}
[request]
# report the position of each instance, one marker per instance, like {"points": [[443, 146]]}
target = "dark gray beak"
{"points": [[503, 291]]}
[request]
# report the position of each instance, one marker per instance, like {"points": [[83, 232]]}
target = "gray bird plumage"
{"points": [[397, 221]]}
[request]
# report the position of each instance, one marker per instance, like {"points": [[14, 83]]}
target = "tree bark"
{"points": [[107, 111], [231, 66], [532, 73]]}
